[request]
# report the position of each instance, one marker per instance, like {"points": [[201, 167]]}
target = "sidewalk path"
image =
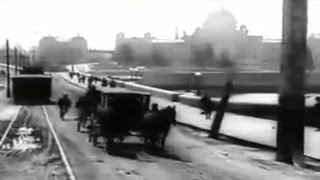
{"points": [[252, 129]]}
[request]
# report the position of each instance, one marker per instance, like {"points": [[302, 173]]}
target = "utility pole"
{"points": [[16, 60], [8, 69], [290, 131]]}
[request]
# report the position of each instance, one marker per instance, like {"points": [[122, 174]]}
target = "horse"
{"points": [[155, 126]]}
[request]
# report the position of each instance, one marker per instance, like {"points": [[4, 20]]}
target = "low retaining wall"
{"points": [[190, 100], [169, 95]]}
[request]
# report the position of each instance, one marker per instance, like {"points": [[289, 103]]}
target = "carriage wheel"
{"points": [[89, 137], [94, 140], [109, 144]]}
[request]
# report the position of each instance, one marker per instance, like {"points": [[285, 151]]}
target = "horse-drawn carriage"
{"points": [[121, 113]]}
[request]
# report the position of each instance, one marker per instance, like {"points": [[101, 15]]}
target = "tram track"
{"points": [[58, 143], [10, 126], [50, 151]]}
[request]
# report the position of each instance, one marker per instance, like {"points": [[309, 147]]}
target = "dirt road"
{"points": [[187, 156], [30, 155]]}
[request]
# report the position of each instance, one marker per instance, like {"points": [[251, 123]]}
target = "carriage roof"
{"points": [[122, 91]]}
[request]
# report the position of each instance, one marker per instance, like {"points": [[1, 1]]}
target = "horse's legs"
{"points": [[109, 143], [209, 115], [95, 139], [163, 139]]}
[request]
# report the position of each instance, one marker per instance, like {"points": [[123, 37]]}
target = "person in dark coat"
{"points": [[104, 82], [83, 79], [71, 74], [112, 83], [79, 78], [90, 80], [154, 107], [64, 104], [93, 97], [207, 106]]}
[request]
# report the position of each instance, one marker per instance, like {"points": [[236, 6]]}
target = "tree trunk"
{"points": [[290, 131], [221, 109]]}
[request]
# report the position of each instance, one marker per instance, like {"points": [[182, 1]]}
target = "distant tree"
{"points": [[225, 60]]}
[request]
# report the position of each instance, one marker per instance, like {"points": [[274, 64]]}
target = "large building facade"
{"points": [[151, 51], [204, 47], [52, 50]]}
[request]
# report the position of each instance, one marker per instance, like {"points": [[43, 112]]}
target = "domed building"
{"points": [[220, 23], [220, 30]]}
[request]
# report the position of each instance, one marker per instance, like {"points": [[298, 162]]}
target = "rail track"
{"points": [[15, 124]]}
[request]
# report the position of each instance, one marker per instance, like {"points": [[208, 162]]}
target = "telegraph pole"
{"points": [[16, 60], [8, 69], [290, 131]]}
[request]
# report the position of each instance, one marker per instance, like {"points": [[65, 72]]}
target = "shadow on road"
{"points": [[134, 150]]}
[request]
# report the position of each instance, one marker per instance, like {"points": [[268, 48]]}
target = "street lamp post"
{"points": [[131, 73], [16, 60], [8, 69], [198, 80], [188, 82]]}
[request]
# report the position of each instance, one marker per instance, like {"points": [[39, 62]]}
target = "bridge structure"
{"points": [[3, 68]]}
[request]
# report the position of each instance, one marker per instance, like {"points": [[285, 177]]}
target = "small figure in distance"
{"points": [[71, 74], [90, 80], [207, 106], [112, 83], [64, 104], [104, 82]]}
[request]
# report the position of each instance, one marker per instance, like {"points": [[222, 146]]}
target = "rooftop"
{"points": [[107, 90], [168, 41]]}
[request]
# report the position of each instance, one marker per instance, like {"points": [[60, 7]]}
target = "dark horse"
{"points": [[153, 126], [156, 125]]}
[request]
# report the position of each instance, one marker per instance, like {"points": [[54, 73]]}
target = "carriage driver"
{"points": [[64, 104], [154, 107]]}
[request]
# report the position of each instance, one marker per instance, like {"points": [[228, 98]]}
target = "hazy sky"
{"points": [[26, 21]]}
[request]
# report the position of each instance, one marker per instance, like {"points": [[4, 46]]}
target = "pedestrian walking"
{"points": [[104, 82], [64, 105], [207, 106], [113, 83], [309, 65]]}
